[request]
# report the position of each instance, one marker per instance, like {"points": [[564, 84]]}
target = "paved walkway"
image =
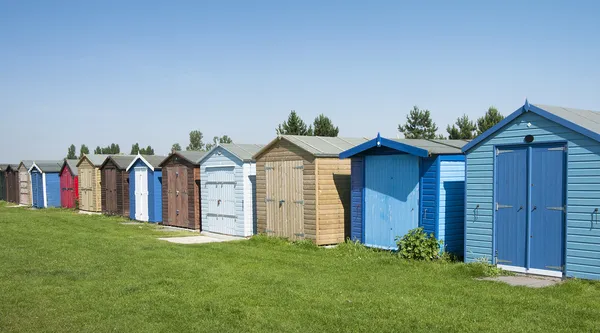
{"points": [[205, 237], [526, 280]]}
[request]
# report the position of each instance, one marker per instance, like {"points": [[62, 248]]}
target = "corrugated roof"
{"points": [[73, 166], [318, 146], [26, 163], [243, 151], [96, 160], [154, 160], [435, 147], [121, 161], [585, 118], [49, 166], [192, 156]]}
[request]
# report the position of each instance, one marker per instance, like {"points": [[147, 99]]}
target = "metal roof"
{"points": [[193, 157], [585, 122], [121, 161], [49, 166], [96, 160], [242, 151], [72, 165], [26, 163], [318, 146], [152, 161], [416, 147]]}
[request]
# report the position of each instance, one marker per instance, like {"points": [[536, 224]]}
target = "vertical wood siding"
{"points": [[24, 186], [12, 185], [583, 194], [429, 195], [190, 206], [285, 151], [52, 189], [333, 200], [89, 187], [357, 185]]}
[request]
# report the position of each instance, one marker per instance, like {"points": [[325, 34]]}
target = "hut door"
{"points": [[23, 188], [86, 189], [111, 190], [141, 193], [221, 215], [285, 199], [177, 196]]}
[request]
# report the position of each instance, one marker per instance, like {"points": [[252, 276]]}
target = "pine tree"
{"points": [[323, 126], [294, 126], [147, 151], [98, 150], [83, 150], [491, 118], [463, 129], [71, 154], [418, 125], [135, 149]]}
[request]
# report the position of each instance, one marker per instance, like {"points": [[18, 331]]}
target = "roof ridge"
{"points": [[327, 141], [242, 148], [308, 144], [443, 143]]}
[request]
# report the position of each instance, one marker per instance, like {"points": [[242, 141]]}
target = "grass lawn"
{"points": [[62, 271]]}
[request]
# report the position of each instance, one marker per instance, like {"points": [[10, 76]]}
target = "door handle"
{"points": [[534, 208]]}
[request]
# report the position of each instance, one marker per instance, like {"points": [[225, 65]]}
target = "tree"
{"points": [[323, 126], [196, 143], [176, 147], [135, 149], [491, 118], [294, 126], [113, 149], [418, 125], [147, 151], [83, 150], [71, 154], [217, 140], [463, 129], [98, 150]]}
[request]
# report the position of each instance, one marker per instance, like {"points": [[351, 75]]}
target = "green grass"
{"points": [[61, 271]]}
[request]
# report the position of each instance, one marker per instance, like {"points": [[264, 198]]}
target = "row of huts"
{"points": [[524, 195]]}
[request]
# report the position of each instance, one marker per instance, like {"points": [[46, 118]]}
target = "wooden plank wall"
{"points": [[285, 151], [96, 200], [333, 200]]}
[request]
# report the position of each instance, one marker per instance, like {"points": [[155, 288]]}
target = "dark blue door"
{"points": [[547, 207], [511, 206], [37, 189]]}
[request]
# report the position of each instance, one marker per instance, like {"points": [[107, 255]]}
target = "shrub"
{"points": [[482, 267], [417, 245]]}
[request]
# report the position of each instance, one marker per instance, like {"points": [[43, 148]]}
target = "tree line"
{"points": [[418, 125]]}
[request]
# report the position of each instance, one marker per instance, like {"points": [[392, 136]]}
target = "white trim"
{"points": [[221, 166], [44, 190], [34, 166], [533, 271], [139, 157]]}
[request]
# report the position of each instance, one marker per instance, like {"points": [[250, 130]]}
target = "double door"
{"points": [[530, 209], [285, 199]]}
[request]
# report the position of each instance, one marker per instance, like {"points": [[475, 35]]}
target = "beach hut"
{"points": [[181, 189], [114, 185], [88, 167], [45, 183], [145, 188], [228, 187], [401, 184], [3, 168], [532, 193], [69, 184], [303, 188], [12, 183], [25, 183]]}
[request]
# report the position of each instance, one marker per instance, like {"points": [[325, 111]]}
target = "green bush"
{"points": [[417, 245]]}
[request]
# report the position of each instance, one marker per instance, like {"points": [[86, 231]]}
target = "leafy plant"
{"points": [[417, 245], [483, 267]]}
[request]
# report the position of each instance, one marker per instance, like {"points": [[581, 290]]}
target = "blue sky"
{"points": [[97, 72]]}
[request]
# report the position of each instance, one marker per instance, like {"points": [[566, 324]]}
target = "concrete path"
{"points": [[205, 237], [526, 280], [89, 213]]}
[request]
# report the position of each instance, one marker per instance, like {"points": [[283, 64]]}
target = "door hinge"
{"points": [[299, 202], [268, 168], [498, 206], [268, 231], [269, 200], [563, 148], [503, 261], [299, 167], [563, 208], [499, 151], [560, 268], [301, 234]]}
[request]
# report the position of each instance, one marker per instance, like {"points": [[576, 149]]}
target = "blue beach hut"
{"points": [[145, 188], [45, 183], [401, 184]]}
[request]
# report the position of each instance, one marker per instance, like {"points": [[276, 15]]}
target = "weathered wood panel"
{"points": [[333, 200], [89, 187], [24, 186], [285, 151], [181, 194]]}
